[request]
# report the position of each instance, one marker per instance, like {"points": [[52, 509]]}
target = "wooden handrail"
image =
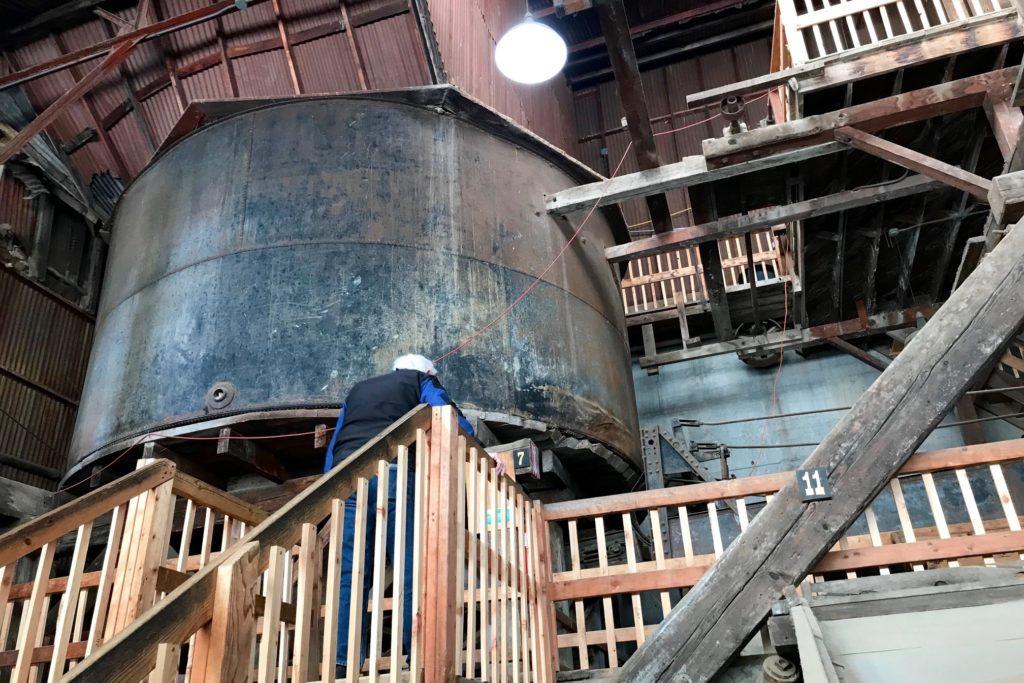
{"points": [[36, 533], [132, 652], [696, 494]]}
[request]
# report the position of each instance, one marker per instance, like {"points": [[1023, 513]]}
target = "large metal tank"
{"points": [[294, 247]]}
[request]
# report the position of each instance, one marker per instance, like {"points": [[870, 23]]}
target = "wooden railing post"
{"points": [[147, 535], [232, 630], [442, 566]]}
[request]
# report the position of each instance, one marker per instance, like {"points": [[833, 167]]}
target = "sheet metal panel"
{"points": [[467, 39], [47, 345]]}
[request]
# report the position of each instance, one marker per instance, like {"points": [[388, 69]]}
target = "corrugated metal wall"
{"points": [[16, 211], [466, 34], [599, 114], [44, 347]]}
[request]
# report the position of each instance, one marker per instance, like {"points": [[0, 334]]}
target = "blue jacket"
{"points": [[375, 403]]}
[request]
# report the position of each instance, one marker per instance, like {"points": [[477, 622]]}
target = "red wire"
{"points": [[142, 438], [530, 287]]}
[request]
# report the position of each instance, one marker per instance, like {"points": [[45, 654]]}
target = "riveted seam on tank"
{"points": [[102, 316]]}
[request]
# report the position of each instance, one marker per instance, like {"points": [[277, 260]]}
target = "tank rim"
{"points": [[201, 115]]}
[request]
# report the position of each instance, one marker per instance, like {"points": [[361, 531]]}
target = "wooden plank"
{"points": [[205, 495], [581, 620], [486, 624], [267, 666], [606, 602], [949, 174], [442, 565], [419, 559], [166, 668], [106, 580], [47, 528], [630, 542], [233, 626], [398, 554], [472, 519], [862, 453], [379, 554], [678, 575], [185, 610], [356, 615], [69, 603], [764, 218], [659, 558], [32, 615], [870, 117], [305, 603], [689, 171]]}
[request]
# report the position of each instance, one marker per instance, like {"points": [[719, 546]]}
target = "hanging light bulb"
{"points": [[531, 52]]}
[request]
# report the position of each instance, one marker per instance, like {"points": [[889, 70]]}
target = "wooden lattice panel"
{"points": [[654, 283], [819, 28]]}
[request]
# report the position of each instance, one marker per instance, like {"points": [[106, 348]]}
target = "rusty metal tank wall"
{"points": [[295, 248]]}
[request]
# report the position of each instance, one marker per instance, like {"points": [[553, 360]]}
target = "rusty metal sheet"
{"points": [[297, 247]]}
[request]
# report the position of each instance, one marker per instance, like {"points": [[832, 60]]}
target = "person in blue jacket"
{"points": [[372, 406]]}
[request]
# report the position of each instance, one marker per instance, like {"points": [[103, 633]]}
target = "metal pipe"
{"points": [[958, 423]]}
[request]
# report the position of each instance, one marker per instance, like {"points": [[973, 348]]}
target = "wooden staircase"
{"points": [[194, 584]]}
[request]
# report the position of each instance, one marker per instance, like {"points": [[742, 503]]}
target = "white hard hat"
{"points": [[414, 361]]}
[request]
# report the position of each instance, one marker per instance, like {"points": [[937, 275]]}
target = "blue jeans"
{"points": [[348, 541]]}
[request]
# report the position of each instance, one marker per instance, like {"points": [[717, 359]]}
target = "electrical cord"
{"points": [[145, 437], [719, 423], [958, 423], [572, 238]]}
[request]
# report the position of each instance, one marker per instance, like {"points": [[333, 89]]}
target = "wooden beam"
{"points": [[1006, 200], [762, 484], [908, 107], [252, 454], [861, 454], [116, 57], [615, 27], [949, 174], [154, 30], [858, 353], [691, 170], [767, 217], [791, 339], [48, 528]]}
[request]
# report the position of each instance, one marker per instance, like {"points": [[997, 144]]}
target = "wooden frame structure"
{"points": [[268, 607], [201, 602], [145, 534], [700, 525]]}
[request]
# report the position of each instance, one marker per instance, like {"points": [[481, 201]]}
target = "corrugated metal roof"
{"points": [[385, 31]]}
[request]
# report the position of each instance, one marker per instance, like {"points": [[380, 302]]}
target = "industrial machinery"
{"points": [[267, 260]]}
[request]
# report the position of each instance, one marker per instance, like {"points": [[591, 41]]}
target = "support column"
{"points": [[861, 454]]}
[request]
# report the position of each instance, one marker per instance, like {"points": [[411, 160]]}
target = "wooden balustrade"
{"points": [[614, 593], [194, 584], [267, 608], [815, 29], [127, 548]]}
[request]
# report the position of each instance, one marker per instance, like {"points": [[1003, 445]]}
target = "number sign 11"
{"points": [[814, 484]]}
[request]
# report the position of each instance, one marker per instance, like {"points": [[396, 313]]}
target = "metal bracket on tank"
{"points": [[220, 395]]}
